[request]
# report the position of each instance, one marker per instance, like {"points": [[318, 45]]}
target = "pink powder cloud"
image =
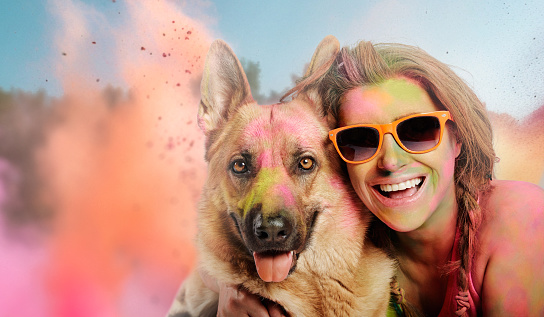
{"points": [[123, 175], [519, 146]]}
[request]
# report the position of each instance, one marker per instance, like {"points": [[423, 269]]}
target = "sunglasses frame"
{"points": [[442, 116]]}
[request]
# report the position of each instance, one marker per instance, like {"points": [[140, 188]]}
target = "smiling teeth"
{"points": [[400, 186]]}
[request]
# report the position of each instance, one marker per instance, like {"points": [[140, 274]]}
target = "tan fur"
{"points": [[337, 272]]}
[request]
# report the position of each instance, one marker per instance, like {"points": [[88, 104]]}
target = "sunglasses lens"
{"points": [[358, 144], [420, 133]]}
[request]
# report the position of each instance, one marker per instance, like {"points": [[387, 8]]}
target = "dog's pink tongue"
{"points": [[273, 268]]}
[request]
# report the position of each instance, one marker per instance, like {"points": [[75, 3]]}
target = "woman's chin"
{"points": [[402, 223]]}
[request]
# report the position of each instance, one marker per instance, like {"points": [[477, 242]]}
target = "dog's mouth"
{"points": [[401, 190], [275, 262], [274, 266]]}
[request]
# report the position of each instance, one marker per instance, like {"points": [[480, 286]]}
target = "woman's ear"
{"points": [[452, 129], [458, 146]]}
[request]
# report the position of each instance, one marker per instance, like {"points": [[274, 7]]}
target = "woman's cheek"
{"points": [[356, 176]]}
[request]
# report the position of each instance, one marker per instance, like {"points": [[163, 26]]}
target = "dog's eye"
{"points": [[306, 163], [239, 167]]}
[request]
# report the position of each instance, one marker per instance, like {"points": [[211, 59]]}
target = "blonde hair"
{"points": [[368, 64]]}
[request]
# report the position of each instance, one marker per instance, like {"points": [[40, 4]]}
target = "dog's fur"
{"points": [[275, 162]]}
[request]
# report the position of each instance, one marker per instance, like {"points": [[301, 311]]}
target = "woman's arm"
{"points": [[235, 301], [513, 241]]}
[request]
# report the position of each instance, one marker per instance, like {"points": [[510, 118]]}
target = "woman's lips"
{"points": [[392, 188]]}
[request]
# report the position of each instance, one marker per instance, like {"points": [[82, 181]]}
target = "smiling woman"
{"points": [[430, 183], [389, 167]]}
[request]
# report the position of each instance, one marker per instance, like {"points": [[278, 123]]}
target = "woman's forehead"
{"points": [[389, 99]]}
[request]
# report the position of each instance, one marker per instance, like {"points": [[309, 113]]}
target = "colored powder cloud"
{"points": [[519, 146], [122, 168]]}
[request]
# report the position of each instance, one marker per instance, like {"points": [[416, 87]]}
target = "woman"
{"points": [[466, 245]]}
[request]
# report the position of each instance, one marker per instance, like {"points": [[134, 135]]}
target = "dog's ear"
{"points": [[323, 58], [324, 55], [224, 87]]}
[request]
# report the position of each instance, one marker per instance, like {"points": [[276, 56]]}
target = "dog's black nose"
{"points": [[272, 229]]}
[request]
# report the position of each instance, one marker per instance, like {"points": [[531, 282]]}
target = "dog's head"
{"points": [[271, 168]]}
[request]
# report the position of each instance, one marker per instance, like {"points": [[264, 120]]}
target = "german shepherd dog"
{"points": [[277, 215]]}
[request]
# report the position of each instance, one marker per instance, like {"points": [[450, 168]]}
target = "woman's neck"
{"points": [[432, 243], [423, 254]]}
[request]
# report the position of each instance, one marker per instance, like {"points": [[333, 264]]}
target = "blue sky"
{"points": [[496, 46]]}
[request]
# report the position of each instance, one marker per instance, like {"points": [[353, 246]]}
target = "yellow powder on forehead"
{"points": [[369, 101], [387, 92], [402, 89]]}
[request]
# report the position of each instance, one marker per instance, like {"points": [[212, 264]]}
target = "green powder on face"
{"points": [[266, 178]]}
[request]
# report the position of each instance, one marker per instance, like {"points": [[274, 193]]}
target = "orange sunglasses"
{"points": [[418, 133]]}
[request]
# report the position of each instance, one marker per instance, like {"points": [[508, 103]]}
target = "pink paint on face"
{"points": [[305, 132], [290, 127], [434, 199], [270, 190], [275, 137], [276, 124], [363, 104], [265, 159], [286, 194], [256, 130]]}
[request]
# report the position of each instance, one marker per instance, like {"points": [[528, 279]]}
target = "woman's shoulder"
{"points": [[510, 245], [513, 199], [512, 216], [512, 221], [516, 187], [510, 206]]}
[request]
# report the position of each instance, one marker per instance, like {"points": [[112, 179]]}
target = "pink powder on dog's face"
{"points": [[265, 159], [278, 137], [286, 194]]}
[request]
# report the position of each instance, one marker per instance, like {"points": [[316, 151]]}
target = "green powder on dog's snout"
{"points": [[264, 181]]}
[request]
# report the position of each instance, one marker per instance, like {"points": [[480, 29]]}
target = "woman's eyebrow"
{"points": [[404, 116]]}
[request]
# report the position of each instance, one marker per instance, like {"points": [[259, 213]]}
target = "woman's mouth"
{"points": [[400, 190]]}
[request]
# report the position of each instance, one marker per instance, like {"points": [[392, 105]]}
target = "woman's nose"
{"points": [[391, 156]]}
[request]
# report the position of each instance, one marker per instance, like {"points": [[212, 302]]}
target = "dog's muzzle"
{"points": [[270, 232], [273, 240]]}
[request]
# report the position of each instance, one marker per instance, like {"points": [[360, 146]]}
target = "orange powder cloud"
{"points": [[125, 173]]}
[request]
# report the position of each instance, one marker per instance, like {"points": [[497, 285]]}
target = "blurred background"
{"points": [[101, 161]]}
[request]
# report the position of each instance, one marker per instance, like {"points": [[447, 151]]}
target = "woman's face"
{"points": [[433, 198]]}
